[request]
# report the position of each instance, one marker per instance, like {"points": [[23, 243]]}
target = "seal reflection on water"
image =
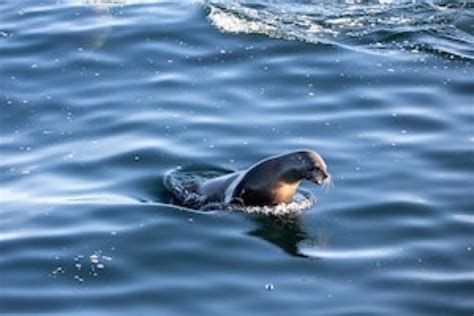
{"points": [[269, 182]]}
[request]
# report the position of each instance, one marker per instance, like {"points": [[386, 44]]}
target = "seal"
{"points": [[269, 182]]}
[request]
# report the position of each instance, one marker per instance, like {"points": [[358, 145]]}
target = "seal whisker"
{"points": [[328, 183]]}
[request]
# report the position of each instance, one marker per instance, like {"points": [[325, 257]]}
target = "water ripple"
{"points": [[100, 99]]}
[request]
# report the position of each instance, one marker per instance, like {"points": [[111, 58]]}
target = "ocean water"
{"points": [[101, 99]]}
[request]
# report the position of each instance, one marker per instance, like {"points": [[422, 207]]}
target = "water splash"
{"points": [[375, 26]]}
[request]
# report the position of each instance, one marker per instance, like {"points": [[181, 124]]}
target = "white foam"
{"points": [[296, 207], [226, 21]]}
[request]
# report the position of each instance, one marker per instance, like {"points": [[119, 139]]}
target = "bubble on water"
{"points": [[58, 270], [269, 287], [94, 258], [100, 266]]}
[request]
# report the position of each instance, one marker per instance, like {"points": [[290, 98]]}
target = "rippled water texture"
{"points": [[101, 99]]}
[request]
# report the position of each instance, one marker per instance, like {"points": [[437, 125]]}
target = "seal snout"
{"points": [[321, 177]]}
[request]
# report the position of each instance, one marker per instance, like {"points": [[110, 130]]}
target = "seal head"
{"points": [[276, 179]]}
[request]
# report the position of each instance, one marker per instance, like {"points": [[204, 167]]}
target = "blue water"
{"points": [[101, 99]]}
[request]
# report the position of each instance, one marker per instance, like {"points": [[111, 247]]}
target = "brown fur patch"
{"points": [[284, 192]]}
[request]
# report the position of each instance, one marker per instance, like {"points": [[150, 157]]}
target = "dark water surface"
{"points": [[100, 100]]}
